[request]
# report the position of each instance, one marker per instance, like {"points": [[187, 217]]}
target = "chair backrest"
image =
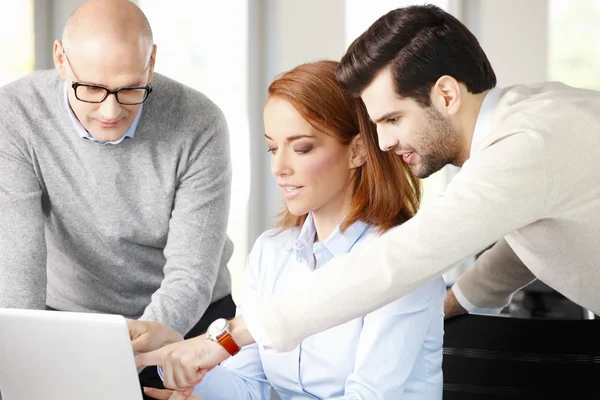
{"points": [[489, 357]]}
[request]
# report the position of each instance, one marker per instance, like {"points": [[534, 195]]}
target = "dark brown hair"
{"points": [[384, 191], [420, 44]]}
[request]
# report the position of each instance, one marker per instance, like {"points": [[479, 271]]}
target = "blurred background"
{"points": [[232, 50]]}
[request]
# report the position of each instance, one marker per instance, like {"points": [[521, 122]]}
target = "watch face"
{"points": [[217, 327]]}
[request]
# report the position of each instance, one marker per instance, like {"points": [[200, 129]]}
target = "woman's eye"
{"points": [[272, 150], [303, 150], [393, 120]]}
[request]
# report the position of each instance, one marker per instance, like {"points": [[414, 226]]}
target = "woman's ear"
{"points": [[358, 153]]}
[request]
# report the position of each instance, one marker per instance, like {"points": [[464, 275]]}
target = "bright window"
{"points": [[16, 40], [573, 45], [203, 44]]}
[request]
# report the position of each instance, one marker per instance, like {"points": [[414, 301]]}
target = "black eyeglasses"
{"points": [[97, 94]]}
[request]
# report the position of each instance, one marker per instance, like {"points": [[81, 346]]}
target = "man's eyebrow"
{"points": [[131, 85], [89, 83], [385, 116], [135, 84]]}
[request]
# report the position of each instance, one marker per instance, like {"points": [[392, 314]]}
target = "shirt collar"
{"points": [[337, 243], [483, 126], [83, 133]]}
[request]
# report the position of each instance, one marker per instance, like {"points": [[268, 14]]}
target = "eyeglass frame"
{"points": [[75, 85], [148, 89]]}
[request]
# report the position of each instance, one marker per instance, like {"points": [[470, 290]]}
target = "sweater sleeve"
{"points": [[491, 282], [197, 233], [500, 189], [22, 241]]}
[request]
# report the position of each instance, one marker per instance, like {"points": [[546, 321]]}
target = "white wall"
{"points": [[514, 35], [50, 19]]}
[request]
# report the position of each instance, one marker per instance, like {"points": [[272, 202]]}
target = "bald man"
{"points": [[115, 182]]}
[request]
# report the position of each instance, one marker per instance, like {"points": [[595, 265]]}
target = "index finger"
{"points": [[149, 359]]}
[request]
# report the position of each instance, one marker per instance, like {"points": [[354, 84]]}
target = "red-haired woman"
{"points": [[339, 190]]}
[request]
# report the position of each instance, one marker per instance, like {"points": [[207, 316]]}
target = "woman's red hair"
{"points": [[385, 193]]}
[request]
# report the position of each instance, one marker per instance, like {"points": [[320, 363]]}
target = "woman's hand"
{"points": [[184, 364]]}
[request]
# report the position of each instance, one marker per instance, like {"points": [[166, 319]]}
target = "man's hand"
{"points": [[165, 394], [452, 307], [148, 336], [184, 364]]}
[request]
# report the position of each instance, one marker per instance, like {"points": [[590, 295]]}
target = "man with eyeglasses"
{"points": [[114, 182]]}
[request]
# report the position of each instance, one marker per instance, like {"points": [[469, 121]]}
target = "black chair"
{"points": [[489, 357]]}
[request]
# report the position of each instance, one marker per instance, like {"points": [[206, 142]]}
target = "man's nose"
{"points": [[387, 141], [110, 108]]}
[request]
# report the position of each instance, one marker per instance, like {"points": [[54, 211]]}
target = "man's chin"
{"points": [[420, 171], [107, 136], [425, 170]]}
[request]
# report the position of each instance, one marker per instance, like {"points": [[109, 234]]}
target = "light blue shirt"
{"points": [[394, 352], [86, 135]]}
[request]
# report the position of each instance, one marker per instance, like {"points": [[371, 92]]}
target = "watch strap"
{"points": [[228, 343]]}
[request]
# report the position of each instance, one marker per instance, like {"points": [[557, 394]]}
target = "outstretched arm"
{"points": [[477, 209]]}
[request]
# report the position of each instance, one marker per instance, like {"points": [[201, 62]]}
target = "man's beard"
{"points": [[439, 144]]}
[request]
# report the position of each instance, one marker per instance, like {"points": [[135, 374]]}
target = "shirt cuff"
{"points": [[470, 307], [254, 326]]}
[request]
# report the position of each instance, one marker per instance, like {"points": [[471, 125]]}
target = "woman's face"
{"points": [[312, 169]]}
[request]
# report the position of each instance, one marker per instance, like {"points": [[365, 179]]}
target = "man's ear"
{"points": [[59, 60], [152, 62], [446, 95], [358, 153]]}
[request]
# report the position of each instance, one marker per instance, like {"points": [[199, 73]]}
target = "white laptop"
{"points": [[52, 355]]}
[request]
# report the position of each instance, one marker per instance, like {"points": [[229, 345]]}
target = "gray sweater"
{"points": [[137, 229]]}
